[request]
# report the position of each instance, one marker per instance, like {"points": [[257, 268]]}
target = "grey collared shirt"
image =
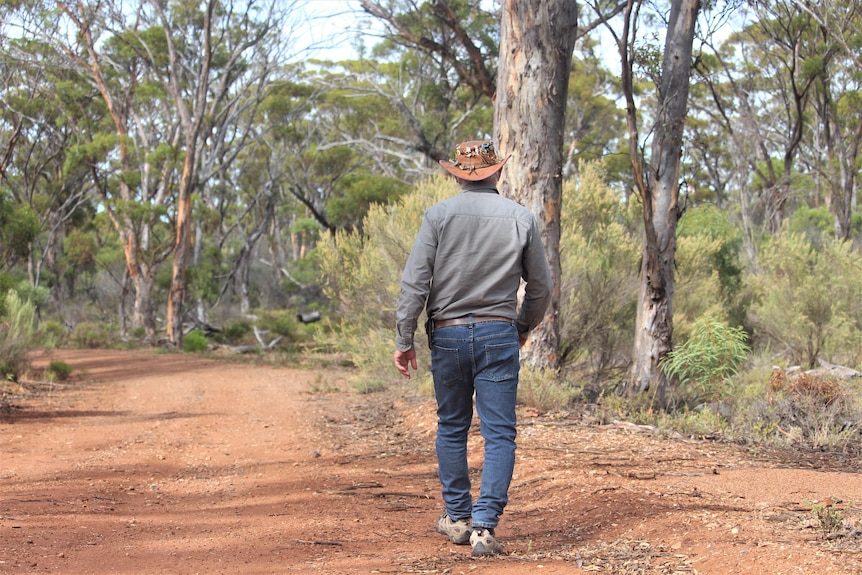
{"points": [[468, 259]]}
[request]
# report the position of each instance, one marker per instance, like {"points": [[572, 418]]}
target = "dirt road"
{"points": [[152, 463]]}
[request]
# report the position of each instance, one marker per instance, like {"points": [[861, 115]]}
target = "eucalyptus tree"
{"points": [[433, 72], [536, 44], [44, 114], [657, 179], [760, 82], [175, 81], [838, 103], [220, 56]]}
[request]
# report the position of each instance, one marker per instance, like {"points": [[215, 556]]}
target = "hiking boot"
{"points": [[458, 532], [483, 542]]}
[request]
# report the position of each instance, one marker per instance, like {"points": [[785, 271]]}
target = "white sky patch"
{"points": [[332, 29]]}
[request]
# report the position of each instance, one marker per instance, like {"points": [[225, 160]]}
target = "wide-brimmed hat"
{"points": [[474, 160]]}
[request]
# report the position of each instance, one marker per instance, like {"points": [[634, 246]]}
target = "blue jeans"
{"points": [[481, 358]]}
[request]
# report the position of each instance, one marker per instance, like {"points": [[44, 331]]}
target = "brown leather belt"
{"points": [[466, 320]]}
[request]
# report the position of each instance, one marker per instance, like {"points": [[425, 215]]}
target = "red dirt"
{"points": [[170, 463]]}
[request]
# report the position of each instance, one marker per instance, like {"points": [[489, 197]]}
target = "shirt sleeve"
{"points": [[537, 274], [415, 286]]}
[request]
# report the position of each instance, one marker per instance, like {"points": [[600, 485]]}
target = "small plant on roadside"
{"points": [[59, 370], [829, 517], [705, 362], [322, 385], [366, 384], [195, 342]]}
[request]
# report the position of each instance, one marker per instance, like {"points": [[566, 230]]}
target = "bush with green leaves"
{"points": [[235, 332], [281, 323], [543, 390], [51, 333], [704, 364], [195, 341], [708, 269], [599, 256], [805, 300], [90, 335], [17, 335], [37, 295], [59, 370]]}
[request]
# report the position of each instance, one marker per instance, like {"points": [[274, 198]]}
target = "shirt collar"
{"points": [[479, 187]]}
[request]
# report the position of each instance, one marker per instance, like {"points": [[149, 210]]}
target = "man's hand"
{"points": [[522, 338], [403, 359]]}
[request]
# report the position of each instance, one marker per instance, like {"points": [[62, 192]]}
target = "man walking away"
{"points": [[465, 268]]}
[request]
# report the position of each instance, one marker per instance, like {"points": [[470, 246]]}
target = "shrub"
{"points": [[51, 334], [59, 370], [802, 409], [235, 332], [17, 336], [599, 258], [807, 299], [368, 384], [542, 390], [705, 362], [281, 322], [89, 335], [195, 341], [38, 295]]}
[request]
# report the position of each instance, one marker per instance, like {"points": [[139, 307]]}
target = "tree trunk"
{"points": [[143, 313], [181, 250], [537, 38], [659, 189]]}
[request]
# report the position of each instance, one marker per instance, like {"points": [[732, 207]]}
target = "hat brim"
{"points": [[473, 175]]}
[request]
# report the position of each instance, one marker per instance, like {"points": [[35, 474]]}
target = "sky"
{"points": [[328, 28]]}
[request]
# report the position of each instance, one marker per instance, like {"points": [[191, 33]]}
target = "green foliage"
{"points": [[81, 248], [708, 227], [17, 336], [599, 259], [829, 518], [37, 295], [358, 194], [59, 370], [705, 421], [813, 223], [704, 364], [90, 335], [195, 342], [282, 323], [807, 299], [7, 280], [362, 276], [697, 289], [51, 333], [19, 226], [235, 332], [543, 390]]}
